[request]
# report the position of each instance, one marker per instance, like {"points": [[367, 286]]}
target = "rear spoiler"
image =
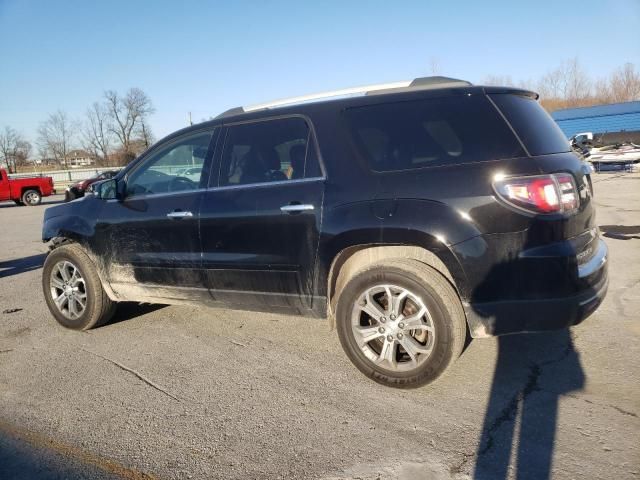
{"points": [[514, 91]]}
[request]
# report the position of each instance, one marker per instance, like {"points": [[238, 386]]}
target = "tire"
{"points": [[426, 288], [31, 198], [98, 307]]}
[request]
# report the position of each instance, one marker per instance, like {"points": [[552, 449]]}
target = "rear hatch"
{"points": [[573, 218]]}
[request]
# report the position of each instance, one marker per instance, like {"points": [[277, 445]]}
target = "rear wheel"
{"points": [[31, 198], [73, 291], [401, 323]]}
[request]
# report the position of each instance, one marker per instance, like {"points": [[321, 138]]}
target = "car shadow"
{"points": [[21, 265], [129, 310], [621, 232], [45, 203]]}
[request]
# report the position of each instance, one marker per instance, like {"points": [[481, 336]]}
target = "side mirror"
{"points": [[105, 190]]}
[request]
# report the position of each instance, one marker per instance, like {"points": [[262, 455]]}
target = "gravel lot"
{"points": [[186, 392]]}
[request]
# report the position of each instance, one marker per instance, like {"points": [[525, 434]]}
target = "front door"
{"points": [[151, 236], [5, 189], [260, 221]]}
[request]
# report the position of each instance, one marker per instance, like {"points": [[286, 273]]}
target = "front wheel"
{"points": [[401, 323], [73, 291], [31, 198]]}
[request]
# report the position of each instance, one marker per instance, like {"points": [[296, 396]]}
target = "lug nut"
{"points": [[401, 325], [381, 330], [390, 338], [400, 336], [392, 316], [382, 319]]}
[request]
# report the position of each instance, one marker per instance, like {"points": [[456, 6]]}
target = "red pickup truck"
{"points": [[25, 191]]}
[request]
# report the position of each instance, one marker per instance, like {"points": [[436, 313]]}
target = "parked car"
{"points": [[192, 173], [409, 216], [78, 189], [25, 191]]}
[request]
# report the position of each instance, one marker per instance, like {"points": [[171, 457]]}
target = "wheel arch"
{"points": [[24, 189], [72, 238], [74, 228], [354, 258]]}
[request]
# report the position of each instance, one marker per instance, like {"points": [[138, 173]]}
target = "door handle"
{"points": [[296, 207], [179, 214]]}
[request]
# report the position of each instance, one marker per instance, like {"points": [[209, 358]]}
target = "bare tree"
{"points": [[23, 153], [56, 135], [128, 115], [14, 149], [577, 85], [551, 84], [569, 85], [146, 134], [602, 91], [624, 84], [434, 66], [97, 132], [498, 80]]}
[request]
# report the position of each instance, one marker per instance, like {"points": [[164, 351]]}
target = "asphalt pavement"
{"points": [[187, 392]]}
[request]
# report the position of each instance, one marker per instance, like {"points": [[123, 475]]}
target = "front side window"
{"points": [[439, 131], [174, 168], [268, 151]]}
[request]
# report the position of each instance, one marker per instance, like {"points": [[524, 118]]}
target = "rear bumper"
{"points": [[517, 316]]}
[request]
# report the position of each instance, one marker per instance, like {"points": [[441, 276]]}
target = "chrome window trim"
{"points": [[216, 189], [266, 184], [145, 196]]}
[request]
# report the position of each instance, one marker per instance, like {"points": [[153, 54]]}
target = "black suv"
{"points": [[409, 214]]}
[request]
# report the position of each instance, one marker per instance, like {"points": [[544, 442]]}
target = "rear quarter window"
{"points": [[425, 133], [540, 134]]}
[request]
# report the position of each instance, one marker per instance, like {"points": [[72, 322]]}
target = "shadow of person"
{"points": [[532, 371]]}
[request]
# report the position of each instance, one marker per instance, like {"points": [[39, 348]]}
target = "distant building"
{"points": [[619, 121], [79, 158]]}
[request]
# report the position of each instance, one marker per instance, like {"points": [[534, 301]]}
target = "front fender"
{"points": [[69, 227], [75, 220]]}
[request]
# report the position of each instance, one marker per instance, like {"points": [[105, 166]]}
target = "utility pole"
{"points": [[190, 122]]}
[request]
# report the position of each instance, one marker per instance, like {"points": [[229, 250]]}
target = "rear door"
{"points": [[260, 221], [151, 237]]}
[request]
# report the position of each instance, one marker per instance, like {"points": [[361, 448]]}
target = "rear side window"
{"points": [[537, 130], [268, 151], [410, 135]]}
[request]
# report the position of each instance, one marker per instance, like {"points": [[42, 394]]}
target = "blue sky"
{"points": [[205, 57]]}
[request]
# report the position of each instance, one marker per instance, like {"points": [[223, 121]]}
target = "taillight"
{"points": [[555, 193]]}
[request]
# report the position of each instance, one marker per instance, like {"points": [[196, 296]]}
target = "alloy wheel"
{"points": [[68, 289], [392, 327]]}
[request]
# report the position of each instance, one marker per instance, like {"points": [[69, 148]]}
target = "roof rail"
{"points": [[422, 83]]}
